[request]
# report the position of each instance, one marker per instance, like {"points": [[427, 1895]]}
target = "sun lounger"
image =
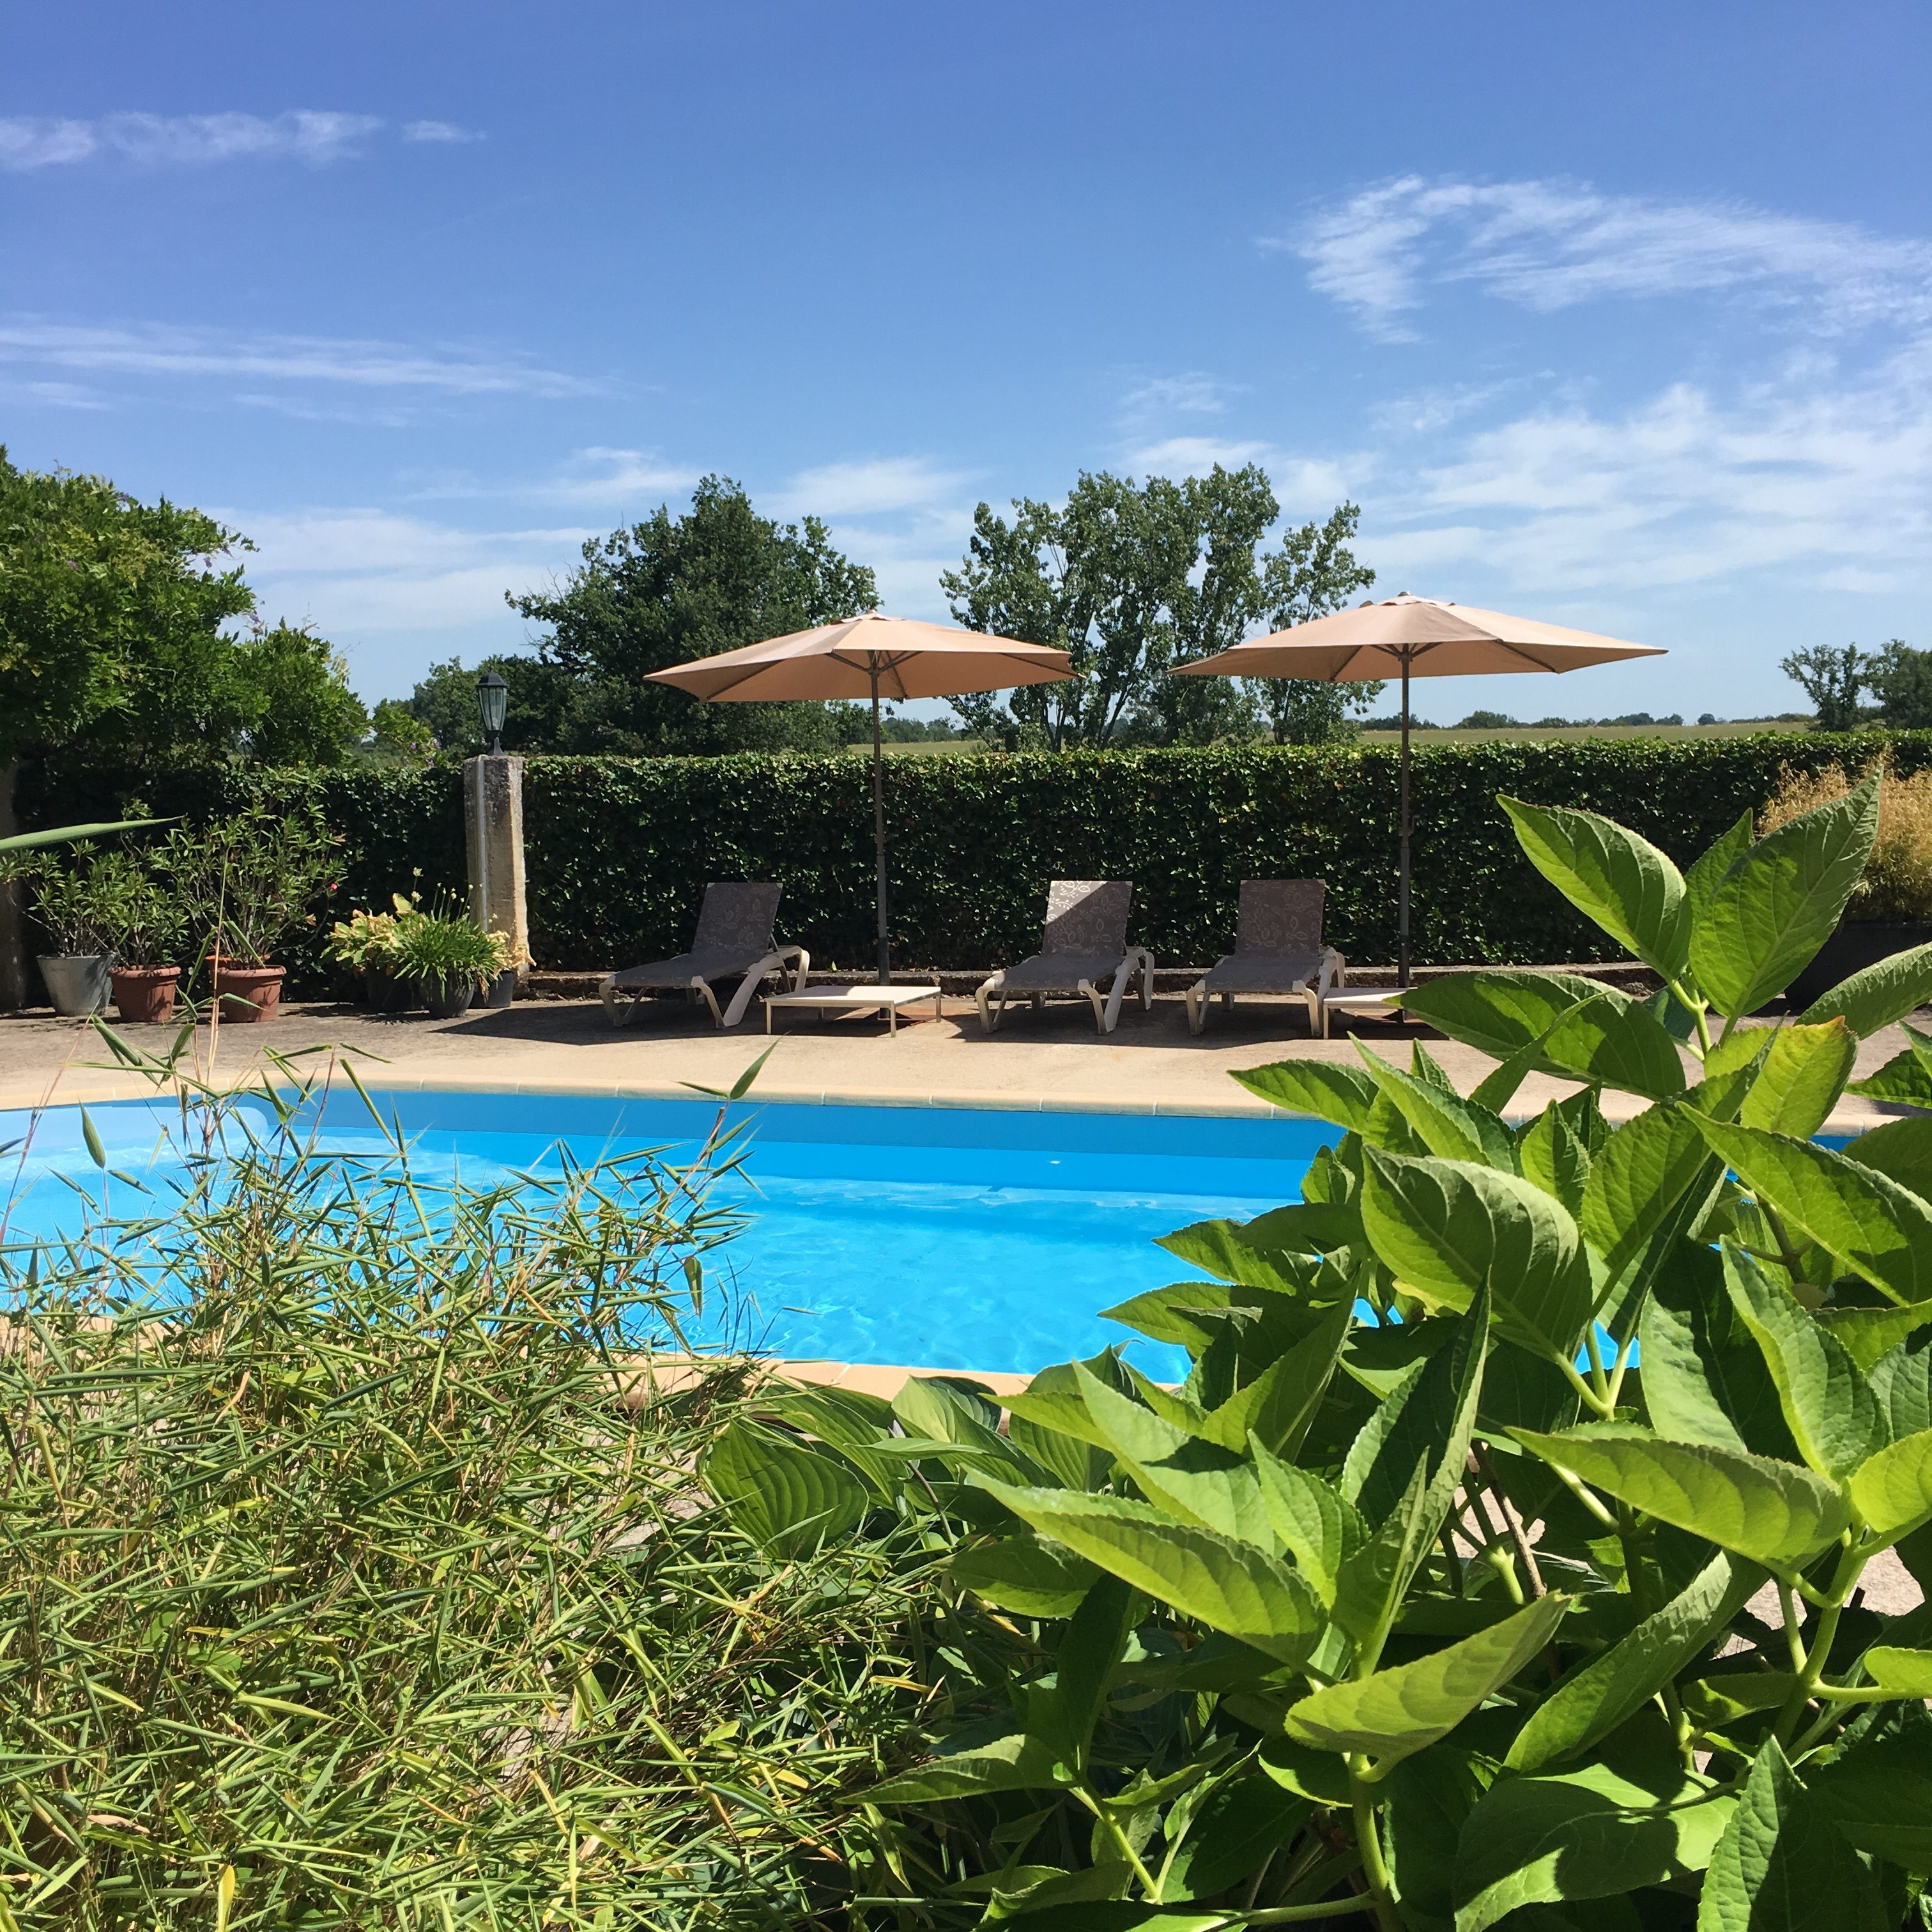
{"points": [[1278, 949], [734, 941], [1086, 949]]}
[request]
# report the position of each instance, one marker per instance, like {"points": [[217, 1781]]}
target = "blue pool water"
{"points": [[957, 1237]]}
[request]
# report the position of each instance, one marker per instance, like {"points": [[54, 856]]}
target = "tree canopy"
{"points": [[1131, 579], [673, 588], [115, 644]]}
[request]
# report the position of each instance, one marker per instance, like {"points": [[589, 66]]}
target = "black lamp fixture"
{"points": [[493, 699]]}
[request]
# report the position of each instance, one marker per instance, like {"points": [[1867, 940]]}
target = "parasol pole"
{"points": [[879, 829], [1401, 886]]}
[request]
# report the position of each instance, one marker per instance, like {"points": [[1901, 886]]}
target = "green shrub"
{"points": [[1499, 1562], [341, 1590], [620, 849]]}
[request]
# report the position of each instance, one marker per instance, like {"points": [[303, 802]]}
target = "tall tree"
{"points": [[1832, 680], [1900, 678], [1131, 580], [111, 616], [298, 707], [539, 707], [1314, 573], [670, 588]]}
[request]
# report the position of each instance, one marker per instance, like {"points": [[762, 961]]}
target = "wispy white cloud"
{"points": [[55, 395], [439, 130], [595, 475], [1829, 484], [356, 570], [869, 486], [155, 350], [313, 135], [1550, 245], [1191, 394], [1196, 455]]}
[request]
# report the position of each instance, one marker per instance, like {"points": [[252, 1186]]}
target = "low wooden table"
{"points": [[887, 1000], [1370, 1000]]}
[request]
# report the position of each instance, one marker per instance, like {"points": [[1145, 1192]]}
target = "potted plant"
{"points": [[1890, 906], [365, 943], [73, 900], [144, 920], [511, 962], [451, 957], [246, 883]]}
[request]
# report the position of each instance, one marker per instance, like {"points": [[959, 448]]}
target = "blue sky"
{"points": [[1621, 317]]}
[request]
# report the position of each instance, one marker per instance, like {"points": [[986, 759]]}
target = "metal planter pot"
{"points": [[77, 983]]}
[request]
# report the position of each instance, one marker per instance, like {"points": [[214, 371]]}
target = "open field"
{"points": [[1560, 733]]}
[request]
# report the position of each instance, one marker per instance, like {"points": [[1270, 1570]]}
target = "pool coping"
{"points": [[94, 1085]]}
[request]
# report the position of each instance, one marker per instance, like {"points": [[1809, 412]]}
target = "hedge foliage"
{"points": [[620, 848]]}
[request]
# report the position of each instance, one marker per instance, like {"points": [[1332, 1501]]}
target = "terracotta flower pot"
{"points": [[145, 995], [244, 994]]}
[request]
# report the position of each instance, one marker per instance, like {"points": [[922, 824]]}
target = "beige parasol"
{"points": [[1408, 637], [872, 656]]}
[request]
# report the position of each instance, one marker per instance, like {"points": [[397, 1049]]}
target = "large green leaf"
{"points": [[1224, 1249], [1893, 1492], [1240, 1825], [1228, 1586], [1904, 1673], [1906, 1078], [1198, 1480], [1278, 1404], [1592, 1833], [1901, 1379], [1015, 1762], [1833, 1416], [1091, 1646], [786, 1498], [1391, 1713], [1782, 1865], [1614, 1041], [1451, 1229], [1329, 1092], [1623, 883], [1777, 905], [1863, 1218], [942, 1411], [1803, 1072], [1902, 1149], [1704, 1378], [1023, 1574], [1644, 1170], [1708, 869], [1870, 1334], [1445, 1123], [1872, 999], [1553, 1155], [1773, 1512], [1163, 1313], [1879, 1795], [1317, 1527], [1499, 1012], [1370, 1584], [1051, 1401], [1591, 1704]]}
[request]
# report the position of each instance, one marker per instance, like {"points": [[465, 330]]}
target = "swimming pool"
{"points": [[950, 1237]]}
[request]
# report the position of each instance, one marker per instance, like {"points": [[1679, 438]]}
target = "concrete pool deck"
{"points": [[1037, 1061]]}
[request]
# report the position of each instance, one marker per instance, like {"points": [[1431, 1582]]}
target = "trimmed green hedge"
{"points": [[620, 848]]}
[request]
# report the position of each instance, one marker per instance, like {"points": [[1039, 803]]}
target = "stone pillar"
{"points": [[493, 835]]}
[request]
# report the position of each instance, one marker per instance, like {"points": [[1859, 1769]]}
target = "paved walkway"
{"points": [[1149, 1064]]}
